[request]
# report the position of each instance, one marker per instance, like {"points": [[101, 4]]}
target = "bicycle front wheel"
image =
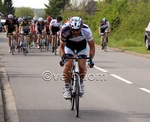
{"points": [[77, 91], [72, 100]]}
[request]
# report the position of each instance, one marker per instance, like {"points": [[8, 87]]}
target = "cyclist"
{"points": [[33, 26], [55, 26], [25, 29], [104, 28], [11, 27], [75, 36], [66, 22], [48, 29], [41, 30]]}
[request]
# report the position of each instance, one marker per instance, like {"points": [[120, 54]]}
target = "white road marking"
{"points": [[100, 69], [146, 90], [122, 79]]}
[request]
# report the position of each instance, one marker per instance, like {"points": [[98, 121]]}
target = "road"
{"points": [[117, 89]]}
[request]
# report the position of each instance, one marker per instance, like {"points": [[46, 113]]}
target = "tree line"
{"points": [[53, 8], [128, 18]]}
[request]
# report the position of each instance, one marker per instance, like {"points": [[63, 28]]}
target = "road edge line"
{"points": [[10, 110]]}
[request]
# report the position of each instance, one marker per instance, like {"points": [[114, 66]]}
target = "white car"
{"points": [[147, 37]]}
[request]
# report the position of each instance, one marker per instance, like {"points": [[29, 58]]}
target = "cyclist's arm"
{"points": [[6, 28], [30, 29], [99, 30], [36, 28], [92, 47], [62, 46], [109, 30], [17, 29], [20, 28], [44, 29]]}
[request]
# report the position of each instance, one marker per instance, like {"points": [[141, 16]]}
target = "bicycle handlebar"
{"points": [[90, 62]]}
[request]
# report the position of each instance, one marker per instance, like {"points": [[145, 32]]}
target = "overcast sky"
{"points": [[34, 3], [30, 3]]}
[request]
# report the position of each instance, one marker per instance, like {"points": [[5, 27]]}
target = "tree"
{"points": [[8, 6], [55, 7], [24, 11], [1, 7]]}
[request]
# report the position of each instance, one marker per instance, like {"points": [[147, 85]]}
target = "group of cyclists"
{"points": [[74, 36], [35, 28]]}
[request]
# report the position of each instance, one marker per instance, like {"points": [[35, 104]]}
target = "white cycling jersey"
{"points": [[54, 23], [86, 34]]}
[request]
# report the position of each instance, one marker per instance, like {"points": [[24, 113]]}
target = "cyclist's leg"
{"points": [[107, 34], [38, 39], [102, 39], [102, 33], [52, 43], [9, 42], [67, 73], [82, 68], [58, 37], [67, 78]]}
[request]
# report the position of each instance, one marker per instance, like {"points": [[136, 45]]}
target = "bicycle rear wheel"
{"points": [[24, 51], [105, 45], [12, 49], [40, 44], [55, 46]]}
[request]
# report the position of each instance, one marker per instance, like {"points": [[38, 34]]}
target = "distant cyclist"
{"points": [[104, 28], [49, 19], [55, 26], [25, 29], [11, 27], [76, 36], [33, 26], [41, 30]]}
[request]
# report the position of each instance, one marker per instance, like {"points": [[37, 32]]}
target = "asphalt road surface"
{"points": [[117, 89]]}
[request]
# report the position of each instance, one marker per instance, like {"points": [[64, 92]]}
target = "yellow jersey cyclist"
{"points": [[55, 26], [11, 27], [25, 30], [76, 36], [40, 30]]}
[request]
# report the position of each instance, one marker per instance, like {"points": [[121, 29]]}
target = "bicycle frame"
{"points": [[13, 43], [75, 85]]}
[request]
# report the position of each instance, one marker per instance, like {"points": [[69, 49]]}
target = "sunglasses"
{"points": [[75, 29]]}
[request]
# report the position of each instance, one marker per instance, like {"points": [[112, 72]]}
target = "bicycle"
{"points": [[75, 86], [42, 43], [23, 44], [47, 43], [104, 44], [56, 43], [13, 43]]}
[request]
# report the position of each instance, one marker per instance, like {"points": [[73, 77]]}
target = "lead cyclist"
{"points": [[75, 36]]}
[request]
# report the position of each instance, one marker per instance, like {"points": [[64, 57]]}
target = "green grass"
{"points": [[126, 45]]}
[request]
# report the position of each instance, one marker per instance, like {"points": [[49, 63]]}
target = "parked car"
{"points": [[1, 28], [147, 37]]}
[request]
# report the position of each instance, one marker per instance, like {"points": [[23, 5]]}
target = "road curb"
{"points": [[9, 106], [128, 52]]}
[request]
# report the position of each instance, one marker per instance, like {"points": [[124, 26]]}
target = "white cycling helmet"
{"points": [[35, 19], [104, 19], [40, 19], [75, 23], [20, 19], [10, 16]]}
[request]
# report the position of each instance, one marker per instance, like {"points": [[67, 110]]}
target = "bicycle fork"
{"points": [[76, 78]]}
